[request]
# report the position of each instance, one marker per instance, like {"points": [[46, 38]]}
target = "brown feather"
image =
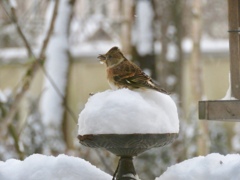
{"points": [[128, 75], [122, 73]]}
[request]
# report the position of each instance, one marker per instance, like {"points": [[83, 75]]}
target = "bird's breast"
{"points": [[112, 85], [111, 82]]}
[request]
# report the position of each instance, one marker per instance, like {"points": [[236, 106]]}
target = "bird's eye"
{"points": [[109, 57]]}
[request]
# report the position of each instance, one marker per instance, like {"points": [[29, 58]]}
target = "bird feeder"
{"points": [[228, 110]]}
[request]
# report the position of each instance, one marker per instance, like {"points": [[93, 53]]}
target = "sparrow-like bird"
{"points": [[122, 73]]}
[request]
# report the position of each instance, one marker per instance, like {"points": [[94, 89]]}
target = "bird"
{"points": [[122, 73]]}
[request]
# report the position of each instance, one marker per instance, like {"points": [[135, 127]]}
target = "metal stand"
{"points": [[126, 146], [125, 169]]}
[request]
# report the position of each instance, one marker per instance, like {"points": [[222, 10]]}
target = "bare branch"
{"points": [[34, 67], [50, 31], [15, 137], [15, 21]]}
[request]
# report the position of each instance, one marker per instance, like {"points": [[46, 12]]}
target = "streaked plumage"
{"points": [[122, 73]]}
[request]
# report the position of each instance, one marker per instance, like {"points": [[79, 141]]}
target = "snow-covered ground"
{"points": [[213, 167], [126, 111], [208, 45], [40, 167]]}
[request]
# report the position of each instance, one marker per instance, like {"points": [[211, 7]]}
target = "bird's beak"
{"points": [[102, 58]]}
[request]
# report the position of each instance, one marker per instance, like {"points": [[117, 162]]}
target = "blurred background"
{"points": [[183, 45]]}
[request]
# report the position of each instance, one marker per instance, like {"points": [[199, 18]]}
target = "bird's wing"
{"points": [[130, 75]]}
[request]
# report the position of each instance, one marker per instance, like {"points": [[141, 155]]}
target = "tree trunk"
{"points": [[178, 13], [144, 38], [55, 83], [196, 71], [126, 7]]}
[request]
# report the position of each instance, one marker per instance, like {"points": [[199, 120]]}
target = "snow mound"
{"points": [[41, 167], [125, 111], [213, 166]]}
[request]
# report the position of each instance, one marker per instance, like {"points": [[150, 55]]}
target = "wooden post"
{"points": [[234, 44]]}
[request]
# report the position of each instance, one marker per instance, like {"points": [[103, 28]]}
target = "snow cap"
{"points": [[126, 111]]}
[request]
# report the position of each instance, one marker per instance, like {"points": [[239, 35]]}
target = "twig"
{"points": [[14, 135], [50, 31], [14, 19], [34, 67]]}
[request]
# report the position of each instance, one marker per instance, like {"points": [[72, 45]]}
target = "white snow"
{"points": [[236, 138], [126, 111], [41, 167], [8, 55], [208, 45], [213, 166], [3, 97], [228, 95], [172, 52], [56, 66], [86, 49], [144, 36], [13, 4]]}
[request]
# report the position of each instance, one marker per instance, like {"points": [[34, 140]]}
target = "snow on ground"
{"points": [[213, 166], [41, 167], [208, 45], [8, 55], [125, 111], [11, 55]]}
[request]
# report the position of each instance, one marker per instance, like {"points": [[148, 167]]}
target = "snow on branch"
{"points": [[13, 3]]}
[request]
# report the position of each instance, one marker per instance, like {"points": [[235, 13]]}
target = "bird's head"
{"points": [[113, 57]]}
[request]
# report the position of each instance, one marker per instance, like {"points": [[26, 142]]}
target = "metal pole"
{"points": [[125, 169]]}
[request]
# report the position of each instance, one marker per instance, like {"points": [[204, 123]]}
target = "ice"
{"points": [[126, 111], [214, 166], [39, 167]]}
